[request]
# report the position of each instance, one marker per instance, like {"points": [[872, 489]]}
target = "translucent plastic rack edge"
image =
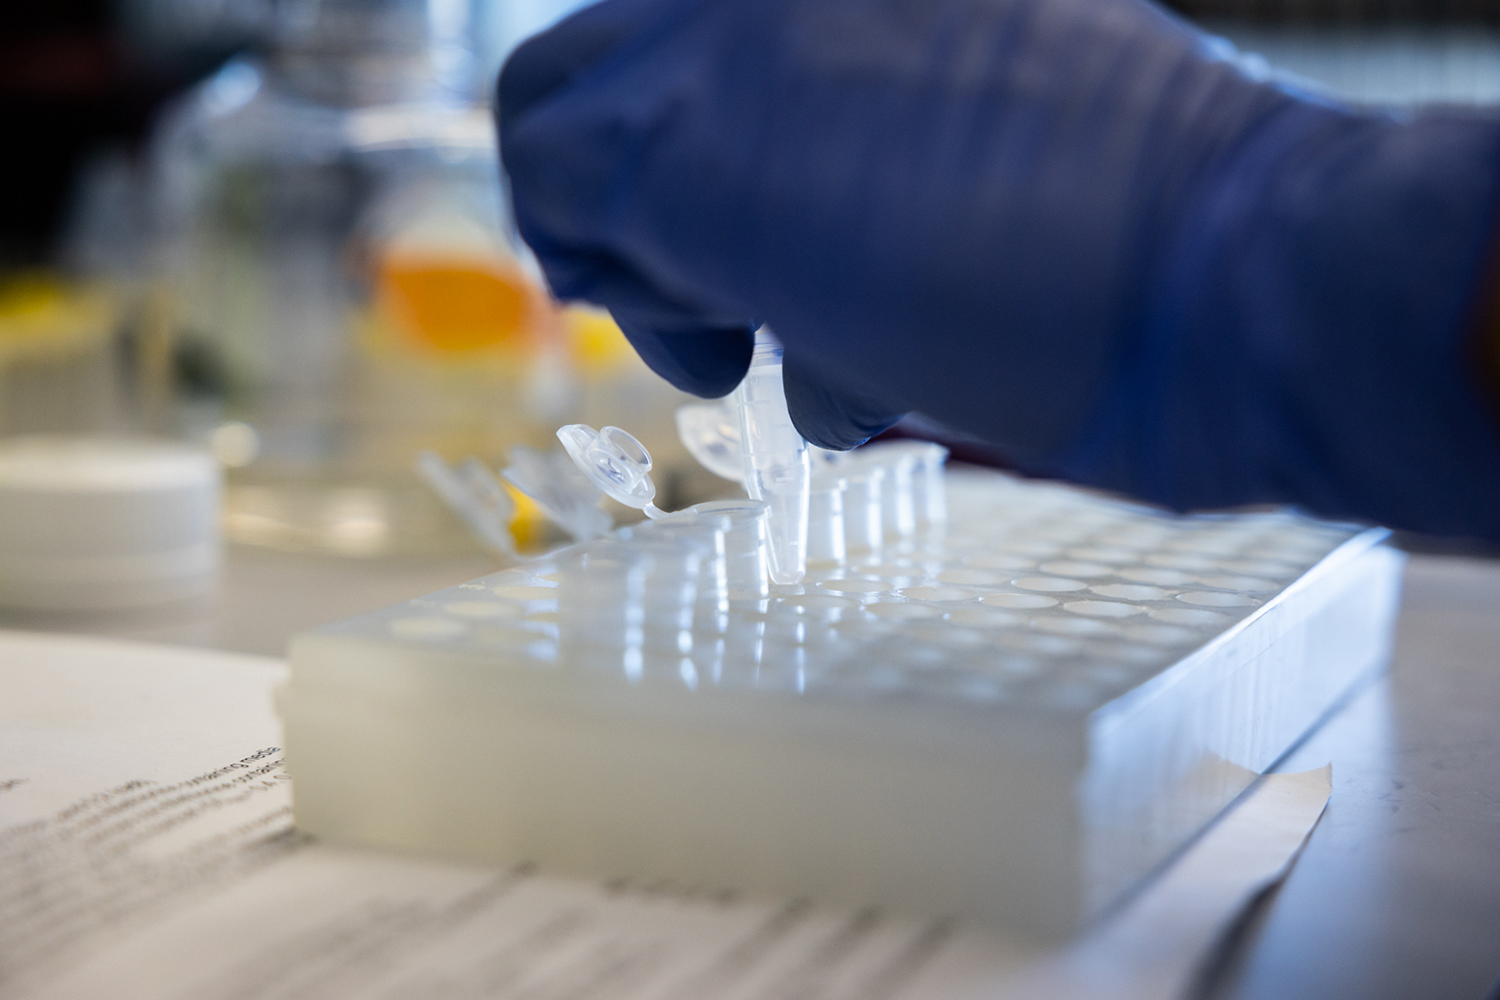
{"points": [[1012, 720]]}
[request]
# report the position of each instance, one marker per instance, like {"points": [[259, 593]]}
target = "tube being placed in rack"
{"points": [[777, 466]]}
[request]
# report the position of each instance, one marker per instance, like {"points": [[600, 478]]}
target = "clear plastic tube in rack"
{"points": [[777, 466]]}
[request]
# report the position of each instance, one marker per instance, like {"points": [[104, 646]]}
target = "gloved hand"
{"points": [[1076, 228]]}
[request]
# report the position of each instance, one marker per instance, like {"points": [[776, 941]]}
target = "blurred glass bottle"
{"points": [[342, 285]]}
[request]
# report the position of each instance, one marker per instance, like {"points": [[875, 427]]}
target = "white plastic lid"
{"points": [[96, 523], [711, 434], [613, 460]]}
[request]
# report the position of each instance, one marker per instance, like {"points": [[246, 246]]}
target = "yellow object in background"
{"points": [[60, 364], [530, 527], [463, 304], [42, 316], [595, 343]]}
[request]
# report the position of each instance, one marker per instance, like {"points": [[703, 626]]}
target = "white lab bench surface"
{"points": [[1398, 891]]}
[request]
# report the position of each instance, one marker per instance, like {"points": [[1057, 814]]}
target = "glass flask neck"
{"points": [[363, 52]]}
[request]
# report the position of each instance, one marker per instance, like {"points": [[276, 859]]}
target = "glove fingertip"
{"points": [[834, 418], [706, 362]]}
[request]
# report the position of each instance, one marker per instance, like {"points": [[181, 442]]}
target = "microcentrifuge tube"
{"points": [[472, 493], [615, 462], [568, 498], [777, 467]]}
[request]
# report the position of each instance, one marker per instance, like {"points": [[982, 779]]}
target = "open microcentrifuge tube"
{"points": [[614, 461], [748, 437], [472, 493], [711, 434], [775, 458], [565, 496]]}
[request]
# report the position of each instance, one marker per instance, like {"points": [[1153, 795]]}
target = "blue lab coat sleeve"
{"points": [[1079, 229]]}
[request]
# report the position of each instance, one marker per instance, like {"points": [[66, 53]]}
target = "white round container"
{"points": [[98, 523]]}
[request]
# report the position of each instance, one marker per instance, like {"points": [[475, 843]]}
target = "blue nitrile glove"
{"points": [[1076, 228]]}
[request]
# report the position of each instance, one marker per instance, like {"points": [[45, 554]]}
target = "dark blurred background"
{"points": [[79, 77]]}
